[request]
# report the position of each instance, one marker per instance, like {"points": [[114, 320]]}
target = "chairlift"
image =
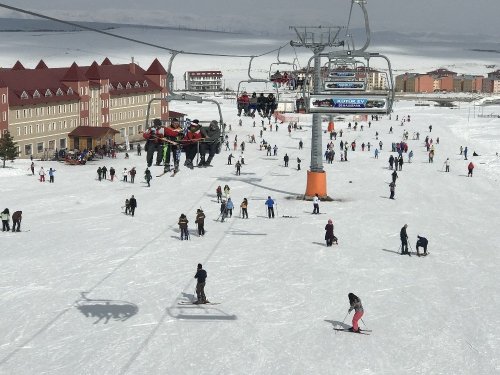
{"points": [[284, 78]]}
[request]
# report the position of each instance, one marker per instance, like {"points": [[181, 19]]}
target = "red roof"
{"points": [[29, 80], [18, 66], [106, 61], [41, 65], [156, 68], [92, 131]]}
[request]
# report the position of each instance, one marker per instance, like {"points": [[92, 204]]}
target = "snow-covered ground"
{"points": [[85, 289]]}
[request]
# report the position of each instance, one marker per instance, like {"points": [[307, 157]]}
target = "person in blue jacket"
{"points": [[270, 207], [229, 207]]}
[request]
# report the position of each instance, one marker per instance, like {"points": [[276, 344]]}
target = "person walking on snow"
{"points": [[183, 225], [5, 215], [147, 176], [394, 176], [32, 168], [356, 305], [315, 204], [201, 276], [270, 207], [132, 204], [218, 191], [244, 207], [404, 240]]}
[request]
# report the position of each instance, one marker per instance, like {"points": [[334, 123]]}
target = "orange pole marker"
{"points": [[316, 184]]}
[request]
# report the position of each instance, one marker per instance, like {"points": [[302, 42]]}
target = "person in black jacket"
{"points": [[201, 276], [132, 205], [404, 240], [329, 236], [422, 242]]}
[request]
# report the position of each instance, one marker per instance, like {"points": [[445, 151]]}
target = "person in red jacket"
{"points": [[190, 142], [470, 168], [174, 134], [243, 103], [154, 143]]}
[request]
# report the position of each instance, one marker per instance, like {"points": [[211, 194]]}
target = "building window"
{"points": [[62, 143], [139, 128], [28, 149], [4, 116], [25, 130], [39, 147], [130, 130], [122, 132], [52, 145], [31, 129], [48, 93], [70, 91], [59, 92], [36, 94], [38, 128], [4, 98], [18, 131], [25, 113], [24, 95], [17, 114]]}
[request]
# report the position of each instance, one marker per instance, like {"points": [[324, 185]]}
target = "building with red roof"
{"points": [[41, 106]]}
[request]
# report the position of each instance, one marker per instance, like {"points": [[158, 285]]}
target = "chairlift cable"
{"points": [[171, 50]]}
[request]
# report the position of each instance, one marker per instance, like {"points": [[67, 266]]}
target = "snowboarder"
{"points": [[356, 305], [404, 240], [244, 206], [183, 225], [16, 221], [329, 236], [5, 215], [421, 242], [200, 220], [315, 204], [201, 276], [133, 205], [470, 168], [270, 207]]}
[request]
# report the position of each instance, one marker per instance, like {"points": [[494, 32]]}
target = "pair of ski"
{"points": [[171, 175], [361, 331], [197, 303]]}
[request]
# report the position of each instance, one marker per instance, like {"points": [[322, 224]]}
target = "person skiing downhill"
{"points": [[356, 305]]}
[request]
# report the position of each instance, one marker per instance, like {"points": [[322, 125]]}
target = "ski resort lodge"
{"points": [[40, 107]]}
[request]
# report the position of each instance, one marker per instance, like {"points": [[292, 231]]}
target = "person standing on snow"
{"points": [[147, 176], [421, 242], [404, 240], [394, 176], [201, 276], [227, 191], [41, 173], [286, 159], [5, 215], [111, 173], [244, 206], [200, 220], [270, 207], [183, 225], [125, 175], [356, 305], [16, 221], [391, 161], [229, 207], [32, 168], [392, 189], [470, 168], [51, 175], [132, 173], [132, 204], [104, 171], [447, 164], [218, 191], [329, 236], [315, 204], [400, 162]]}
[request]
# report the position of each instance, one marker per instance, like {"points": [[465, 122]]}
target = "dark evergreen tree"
{"points": [[8, 148]]}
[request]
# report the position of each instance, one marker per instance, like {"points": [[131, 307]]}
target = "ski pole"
{"points": [[277, 215], [363, 322]]}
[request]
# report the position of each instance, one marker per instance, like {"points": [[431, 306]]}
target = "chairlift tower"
{"points": [[316, 38]]}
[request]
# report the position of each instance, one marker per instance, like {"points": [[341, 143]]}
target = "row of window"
{"points": [[40, 146], [131, 131], [50, 110], [48, 93], [40, 128]]}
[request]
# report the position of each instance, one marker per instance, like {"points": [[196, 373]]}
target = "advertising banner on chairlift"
{"points": [[342, 74], [345, 86], [339, 103]]}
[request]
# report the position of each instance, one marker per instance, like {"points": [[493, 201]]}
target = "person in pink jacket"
{"points": [[356, 305]]}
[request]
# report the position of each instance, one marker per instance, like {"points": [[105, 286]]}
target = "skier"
{"points": [[394, 176], [191, 139], [392, 189], [125, 174], [201, 276], [421, 242], [315, 204], [229, 207], [5, 215], [391, 162], [211, 135], [329, 236], [356, 305], [400, 162], [227, 191], [154, 143], [286, 159], [200, 220], [218, 191], [104, 172], [301, 144], [238, 168], [470, 168], [298, 164], [41, 173], [376, 153], [244, 206], [51, 175], [173, 133], [111, 173], [16, 221], [133, 205], [183, 225], [147, 176], [447, 164], [270, 207], [223, 211], [404, 240]]}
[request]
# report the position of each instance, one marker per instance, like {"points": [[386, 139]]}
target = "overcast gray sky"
{"points": [[432, 16]]}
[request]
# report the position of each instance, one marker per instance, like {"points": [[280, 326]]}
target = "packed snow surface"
{"points": [[86, 289]]}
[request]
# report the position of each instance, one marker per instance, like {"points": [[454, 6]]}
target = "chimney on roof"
{"points": [[132, 66]]}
